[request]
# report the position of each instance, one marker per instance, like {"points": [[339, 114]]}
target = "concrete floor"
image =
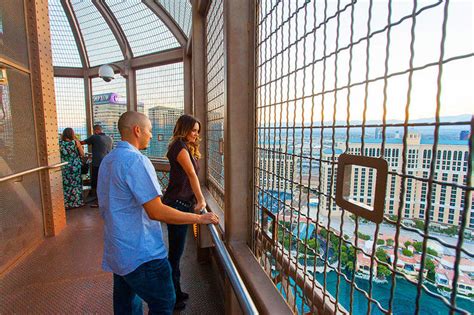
{"points": [[63, 275]]}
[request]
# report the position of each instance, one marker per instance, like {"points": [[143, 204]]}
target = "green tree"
{"points": [[407, 243], [363, 236], [383, 271], [419, 224], [418, 246], [380, 242], [323, 233], [432, 252], [430, 266], [381, 254], [407, 252], [390, 242]]}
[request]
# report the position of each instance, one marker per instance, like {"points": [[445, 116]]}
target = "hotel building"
{"points": [[447, 201]]}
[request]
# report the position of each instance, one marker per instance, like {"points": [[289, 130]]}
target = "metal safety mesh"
{"points": [[180, 11], [161, 91], [63, 44], [101, 45], [134, 17], [215, 99], [383, 79], [71, 106]]}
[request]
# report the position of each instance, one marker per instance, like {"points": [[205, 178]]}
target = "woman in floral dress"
{"points": [[72, 152]]}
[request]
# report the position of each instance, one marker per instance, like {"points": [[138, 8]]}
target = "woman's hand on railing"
{"points": [[208, 218], [201, 204]]}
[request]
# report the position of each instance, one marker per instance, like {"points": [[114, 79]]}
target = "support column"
{"points": [[88, 99], [44, 102], [239, 52], [132, 90], [199, 80], [188, 84]]}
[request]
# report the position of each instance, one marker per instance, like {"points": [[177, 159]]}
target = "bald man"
{"points": [[130, 203]]}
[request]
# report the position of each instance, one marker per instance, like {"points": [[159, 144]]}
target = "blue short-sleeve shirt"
{"points": [[127, 180]]}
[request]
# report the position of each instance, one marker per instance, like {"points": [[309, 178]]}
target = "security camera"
{"points": [[106, 73]]}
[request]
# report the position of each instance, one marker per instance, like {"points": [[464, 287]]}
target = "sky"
{"points": [[456, 82]]}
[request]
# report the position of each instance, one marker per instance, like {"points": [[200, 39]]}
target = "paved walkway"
{"points": [[63, 275]]}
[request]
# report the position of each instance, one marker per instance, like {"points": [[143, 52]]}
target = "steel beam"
{"points": [[131, 86], [76, 32], [44, 106], [199, 81], [202, 6], [188, 84], [147, 61], [166, 18], [239, 54], [88, 102], [67, 72], [114, 26], [189, 45]]}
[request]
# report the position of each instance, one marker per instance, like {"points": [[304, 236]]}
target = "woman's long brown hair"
{"points": [[183, 127], [68, 134]]}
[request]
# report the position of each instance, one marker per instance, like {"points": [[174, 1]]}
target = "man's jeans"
{"points": [[152, 282], [177, 239]]}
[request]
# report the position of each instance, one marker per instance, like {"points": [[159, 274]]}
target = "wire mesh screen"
{"points": [[100, 42], [180, 11], [161, 91], [383, 79], [63, 44], [134, 17], [71, 106], [109, 101], [215, 99]]}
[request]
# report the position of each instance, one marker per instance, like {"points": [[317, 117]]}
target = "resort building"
{"points": [[447, 202]]}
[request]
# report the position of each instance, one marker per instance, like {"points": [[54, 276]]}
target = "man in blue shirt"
{"points": [[130, 202]]}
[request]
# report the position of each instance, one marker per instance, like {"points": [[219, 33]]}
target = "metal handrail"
{"points": [[33, 170], [241, 292]]}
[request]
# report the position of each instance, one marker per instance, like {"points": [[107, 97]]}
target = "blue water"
{"points": [[404, 301]]}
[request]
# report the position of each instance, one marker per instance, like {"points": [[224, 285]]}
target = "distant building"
{"points": [[107, 109], [277, 169], [163, 120], [447, 203]]}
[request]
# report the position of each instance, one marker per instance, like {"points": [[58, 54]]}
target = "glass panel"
{"points": [[180, 11], [144, 30], [160, 95], [215, 99], [383, 80], [71, 105], [109, 101], [100, 42], [63, 44]]}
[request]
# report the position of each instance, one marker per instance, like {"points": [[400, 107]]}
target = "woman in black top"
{"points": [[183, 192]]}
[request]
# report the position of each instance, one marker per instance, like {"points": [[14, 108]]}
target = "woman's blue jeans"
{"points": [[177, 239], [152, 282]]}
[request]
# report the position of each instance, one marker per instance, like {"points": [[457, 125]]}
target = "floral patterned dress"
{"points": [[72, 179]]}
